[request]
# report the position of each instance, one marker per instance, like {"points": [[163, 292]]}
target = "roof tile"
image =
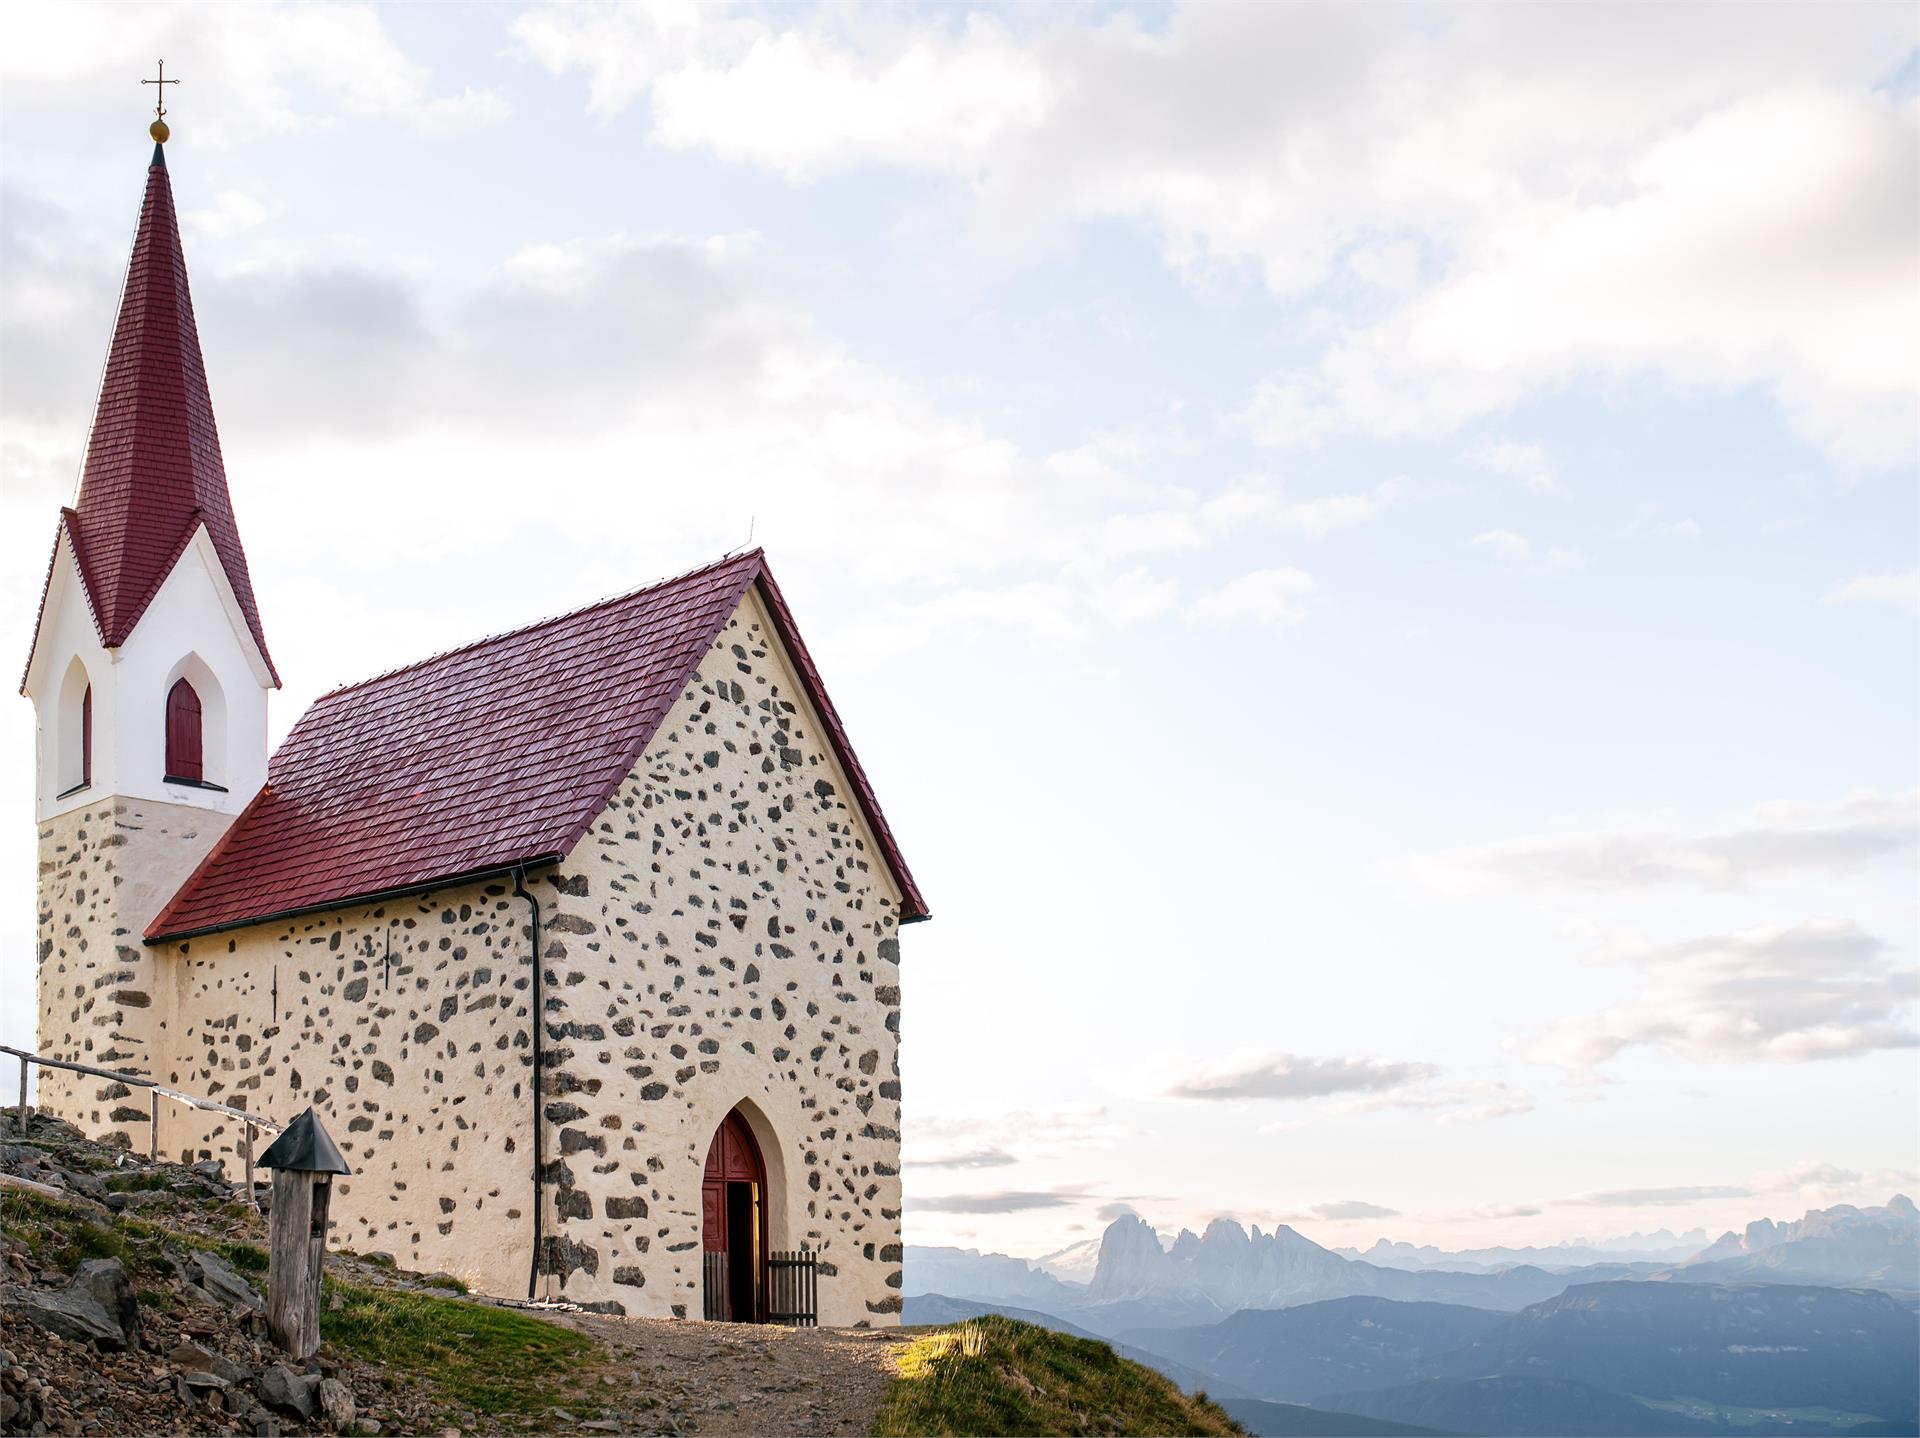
{"points": [[500, 753], [153, 472]]}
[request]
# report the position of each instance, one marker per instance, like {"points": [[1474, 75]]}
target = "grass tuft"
{"points": [[997, 1375], [477, 1357]]}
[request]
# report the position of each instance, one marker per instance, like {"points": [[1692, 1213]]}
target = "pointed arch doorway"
{"points": [[733, 1211]]}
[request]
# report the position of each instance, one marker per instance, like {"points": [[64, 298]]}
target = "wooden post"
{"points": [[153, 1123], [23, 1096], [296, 1248], [304, 1160]]}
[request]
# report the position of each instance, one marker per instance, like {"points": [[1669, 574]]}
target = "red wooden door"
{"points": [[713, 1216], [183, 732], [733, 1214]]}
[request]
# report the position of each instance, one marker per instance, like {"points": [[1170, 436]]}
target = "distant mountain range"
{"points": [[1075, 1263], [1294, 1355], [1864, 1247], [1230, 1269], [1285, 1329], [1661, 1247], [1134, 1280], [969, 1273], [1763, 1346], [1670, 1358]]}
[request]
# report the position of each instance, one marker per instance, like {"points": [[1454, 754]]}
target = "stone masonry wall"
{"points": [[726, 934], [406, 1025], [104, 872]]}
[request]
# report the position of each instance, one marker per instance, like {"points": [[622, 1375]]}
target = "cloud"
{"points": [[997, 1140], [1517, 550], [1774, 842], [232, 212], [1292, 1076], [1474, 1101], [976, 1158], [1494, 202], [1809, 1175], [336, 376], [1503, 1211], [1662, 274], [1268, 598], [1900, 591], [1261, 501], [1001, 1201], [1349, 1209], [1527, 464], [254, 68], [1818, 990], [1659, 1197], [1108, 1212]]}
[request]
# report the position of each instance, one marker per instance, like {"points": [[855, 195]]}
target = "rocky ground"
{"points": [[666, 1376], [129, 1303]]}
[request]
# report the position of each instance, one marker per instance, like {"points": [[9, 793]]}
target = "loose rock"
{"points": [[280, 1387]]}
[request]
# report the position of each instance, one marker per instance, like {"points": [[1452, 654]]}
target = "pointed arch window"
{"points": [[71, 733], [183, 734]]}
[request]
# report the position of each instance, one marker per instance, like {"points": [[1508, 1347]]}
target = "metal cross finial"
{"points": [[160, 109]]}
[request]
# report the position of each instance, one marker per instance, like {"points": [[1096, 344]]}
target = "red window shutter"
{"points": [[86, 737], [183, 732]]}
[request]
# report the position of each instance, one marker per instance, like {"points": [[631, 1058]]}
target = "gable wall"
{"points": [[727, 931]]}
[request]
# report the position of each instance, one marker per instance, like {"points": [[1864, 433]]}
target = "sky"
{"points": [[1370, 552]]}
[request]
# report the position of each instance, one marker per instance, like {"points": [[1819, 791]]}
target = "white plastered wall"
{"points": [[193, 626]]}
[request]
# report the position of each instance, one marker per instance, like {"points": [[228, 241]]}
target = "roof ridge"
{"points": [[756, 553]]}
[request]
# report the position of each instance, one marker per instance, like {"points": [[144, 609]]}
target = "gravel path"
{"points": [[668, 1376]]}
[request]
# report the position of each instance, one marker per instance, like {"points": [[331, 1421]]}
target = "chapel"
{"points": [[582, 940]]}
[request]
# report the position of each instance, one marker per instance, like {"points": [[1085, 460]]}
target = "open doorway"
{"points": [[734, 1225]]}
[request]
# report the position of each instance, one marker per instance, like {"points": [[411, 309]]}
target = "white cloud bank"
{"points": [[1774, 841], [1824, 989], [1501, 199]]}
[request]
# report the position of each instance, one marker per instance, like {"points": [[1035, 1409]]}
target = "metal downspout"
{"points": [[539, 1024]]}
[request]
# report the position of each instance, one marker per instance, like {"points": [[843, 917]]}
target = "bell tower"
{"points": [[149, 676]]}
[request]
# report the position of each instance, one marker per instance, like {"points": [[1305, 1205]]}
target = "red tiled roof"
{"points": [[153, 470], [479, 759]]}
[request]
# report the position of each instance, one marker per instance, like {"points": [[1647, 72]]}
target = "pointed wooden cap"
{"points": [[305, 1147]]}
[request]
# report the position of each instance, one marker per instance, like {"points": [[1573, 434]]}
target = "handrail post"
{"points": [[253, 1196], [153, 1123], [23, 1096]]}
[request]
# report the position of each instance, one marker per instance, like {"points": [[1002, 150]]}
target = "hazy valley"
{"points": [[1807, 1326]]}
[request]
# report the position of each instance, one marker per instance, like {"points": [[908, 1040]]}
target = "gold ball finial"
{"points": [[158, 129]]}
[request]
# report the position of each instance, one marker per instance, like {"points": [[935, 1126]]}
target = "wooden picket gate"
{"points": [[713, 1278], [793, 1290]]}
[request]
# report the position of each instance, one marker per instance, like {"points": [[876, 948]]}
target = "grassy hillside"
{"points": [[998, 1375]]}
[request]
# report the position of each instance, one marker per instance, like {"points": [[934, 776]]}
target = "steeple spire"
{"points": [[153, 470]]}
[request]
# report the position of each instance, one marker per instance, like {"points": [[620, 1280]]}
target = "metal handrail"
{"points": [[155, 1092]]}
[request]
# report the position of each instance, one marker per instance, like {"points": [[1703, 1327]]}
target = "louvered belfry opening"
{"points": [[184, 759]]}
